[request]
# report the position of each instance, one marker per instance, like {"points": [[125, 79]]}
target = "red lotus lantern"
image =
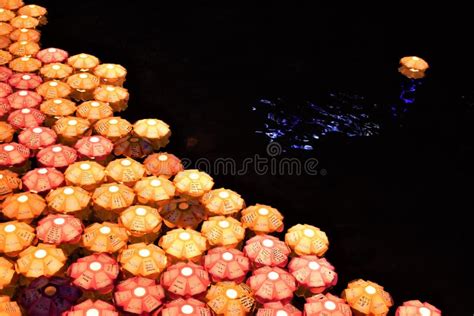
{"points": [[5, 89], [185, 307], [25, 81], [59, 229], [24, 99], [94, 147], [25, 118], [12, 154], [139, 295], [37, 137], [327, 305], [4, 106], [278, 309], [266, 250], [52, 55], [185, 280], [271, 284], [5, 73], [92, 308], [226, 264], [417, 308], [42, 179], [56, 156], [314, 275]]}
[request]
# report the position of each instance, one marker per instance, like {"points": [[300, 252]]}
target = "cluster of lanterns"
{"points": [[96, 222]]}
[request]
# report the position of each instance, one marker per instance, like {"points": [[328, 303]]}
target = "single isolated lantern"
{"points": [[56, 71], [230, 299], [42, 179], [125, 170], [417, 308], [106, 237], [154, 191], [85, 174], [222, 202], [139, 295], [183, 213], [271, 284], [41, 260], [111, 74], [23, 206], [56, 156], [146, 260], [278, 309], [83, 62], [314, 275], [59, 229], [133, 147], [413, 67], [183, 244], [266, 250], [193, 183], [326, 305], [92, 308], [307, 240], [163, 164], [367, 298], [223, 231], [226, 264], [116, 97], [52, 55], [156, 131], [15, 237], [262, 219], [185, 307]]}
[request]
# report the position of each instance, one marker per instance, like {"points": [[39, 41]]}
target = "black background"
{"points": [[394, 206]]}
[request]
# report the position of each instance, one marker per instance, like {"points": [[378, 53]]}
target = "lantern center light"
{"points": [[95, 266], [93, 312], [184, 236], [23, 93], [95, 104], [52, 50], [369, 289], [59, 221], [40, 253], [224, 194], [281, 313], [424, 311], [224, 224], [267, 243], [187, 271], [68, 191], [183, 206], [227, 256], [139, 291], [263, 211], [37, 130], [105, 230], [330, 305], [126, 163], [22, 198], [57, 149], [72, 122], [273, 275], [308, 233], [162, 157], [26, 77], [155, 183], [144, 253], [194, 176], [140, 211], [56, 67], [113, 189], [313, 265], [231, 293], [85, 166], [10, 228], [187, 309]]}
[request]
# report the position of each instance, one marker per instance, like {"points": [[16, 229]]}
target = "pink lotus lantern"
{"points": [[163, 164], [139, 295], [266, 250], [278, 309], [326, 305], [314, 275], [59, 229], [37, 138], [226, 264], [270, 284], [5, 89], [25, 81], [52, 55], [185, 307], [417, 308], [94, 147], [92, 308], [96, 272], [185, 280], [56, 156], [42, 179], [25, 118], [12, 154], [4, 106], [24, 99], [5, 73]]}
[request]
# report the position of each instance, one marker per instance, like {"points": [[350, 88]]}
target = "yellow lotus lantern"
{"points": [[54, 89], [141, 221], [83, 62], [154, 191], [183, 213], [262, 219], [85, 174], [183, 244], [41, 260], [413, 67], [223, 231], [146, 260], [69, 200], [231, 299], [367, 298], [94, 111], [104, 237], [125, 170], [222, 202], [111, 74], [56, 71], [70, 129], [83, 85], [111, 199], [23, 206], [193, 183], [307, 240], [7, 272], [156, 131], [116, 97], [15, 237], [113, 128]]}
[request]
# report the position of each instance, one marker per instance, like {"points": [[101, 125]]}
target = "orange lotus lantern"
{"points": [[413, 67], [24, 99], [111, 74], [69, 200], [154, 191], [185, 279], [226, 264], [6, 15], [54, 89], [6, 132], [326, 305], [367, 298], [9, 183], [85, 174], [8, 308], [262, 219], [417, 308], [156, 131], [57, 156], [70, 128], [183, 244], [7, 272], [12, 154], [59, 229], [113, 128], [314, 275], [84, 84], [125, 170], [163, 164], [230, 299], [223, 231], [5, 73], [271, 284], [94, 147], [183, 213], [15, 237], [193, 182], [58, 107], [24, 22], [106, 237], [307, 240], [185, 307], [133, 147], [5, 89], [24, 81], [25, 35], [266, 250], [52, 55], [25, 118], [24, 48], [139, 295], [96, 272], [23, 206], [92, 308], [83, 62], [116, 97], [33, 10], [141, 221], [4, 41], [5, 28], [11, 4], [6, 57], [146, 260], [56, 71], [42, 179], [94, 110], [41, 260], [278, 309], [25, 64], [222, 202], [113, 197]]}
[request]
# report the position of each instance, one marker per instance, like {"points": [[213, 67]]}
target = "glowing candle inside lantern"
{"points": [[95, 266], [40, 253], [140, 211], [187, 309], [424, 311], [224, 224], [281, 313], [162, 157], [186, 271], [10, 228], [369, 289], [330, 305], [113, 189], [184, 236], [231, 293], [227, 256], [144, 253], [85, 166], [105, 230], [139, 292], [223, 195], [273, 275], [92, 312], [59, 221]]}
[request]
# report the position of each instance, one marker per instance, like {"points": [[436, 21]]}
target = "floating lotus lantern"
{"points": [[94, 110], [193, 182], [23, 206], [6, 57], [96, 272], [146, 260], [24, 22], [4, 41], [262, 219], [113, 197], [182, 307], [417, 308], [278, 309], [8, 308], [139, 295], [133, 147], [49, 296], [113, 128], [185, 280], [57, 156], [106, 237], [314, 275], [307, 240], [141, 221], [24, 99], [42, 179], [15, 237], [111, 74], [156, 131], [54, 89], [25, 64], [24, 81], [84, 84], [413, 67], [9, 183], [222, 202], [6, 132], [83, 62], [230, 299], [92, 308], [6, 15], [70, 128], [182, 213], [116, 97], [59, 229], [270, 284], [266, 250], [41, 260], [85, 174], [94, 147], [11, 4], [24, 48], [69, 200], [52, 55], [5, 28], [163, 164], [5, 89], [29, 35], [56, 108], [226, 264], [5, 73], [223, 231], [25, 118], [367, 298], [326, 305], [56, 71], [125, 170], [153, 191], [184, 244], [12, 154], [7, 272]]}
